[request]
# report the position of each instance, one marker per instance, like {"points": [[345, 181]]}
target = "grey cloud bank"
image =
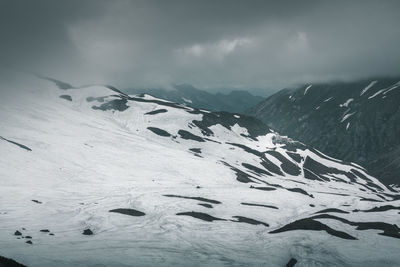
{"points": [[210, 44]]}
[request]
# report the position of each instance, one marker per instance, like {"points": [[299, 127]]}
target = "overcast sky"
{"points": [[210, 44]]}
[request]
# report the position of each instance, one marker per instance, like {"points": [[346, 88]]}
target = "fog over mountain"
{"points": [[209, 44]]}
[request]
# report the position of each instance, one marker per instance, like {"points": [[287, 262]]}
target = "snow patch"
{"points": [[307, 88], [187, 100], [386, 90], [266, 141], [239, 130], [346, 104], [377, 93], [368, 87], [345, 117], [394, 86]]}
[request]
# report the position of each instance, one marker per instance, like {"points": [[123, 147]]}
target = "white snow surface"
{"points": [[390, 88], [386, 90], [347, 103], [187, 100], [368, 87], [85, 162], [377, 93], [345, 117], [307, 88]]}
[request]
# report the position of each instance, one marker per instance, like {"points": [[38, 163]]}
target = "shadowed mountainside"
{"points": [[354, 121]]}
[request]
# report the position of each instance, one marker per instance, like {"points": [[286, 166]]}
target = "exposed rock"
{"points": [[87, 232], [17, 233], [66, 97], [130, 212], [201, 216]]}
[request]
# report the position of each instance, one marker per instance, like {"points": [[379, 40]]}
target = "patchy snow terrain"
{"points": [[354, 121], [90, 176]]}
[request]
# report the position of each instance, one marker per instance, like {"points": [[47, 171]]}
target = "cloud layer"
{"points": [[210, 44]]}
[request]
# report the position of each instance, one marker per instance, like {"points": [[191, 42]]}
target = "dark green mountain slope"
{"points": [[235, 101], [355, 121]]}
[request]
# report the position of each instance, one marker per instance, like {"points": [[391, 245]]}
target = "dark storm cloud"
{"points": [[206, 43]]}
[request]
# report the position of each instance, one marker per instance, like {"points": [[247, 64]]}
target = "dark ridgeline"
{"points": [[235, 101]]}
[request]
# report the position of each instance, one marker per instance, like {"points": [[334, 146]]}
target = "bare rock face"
{"points": [[87, 232], [6, 262]]}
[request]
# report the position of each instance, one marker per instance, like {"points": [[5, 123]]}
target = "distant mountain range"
{"points": [[236, 101], [354, 121]]}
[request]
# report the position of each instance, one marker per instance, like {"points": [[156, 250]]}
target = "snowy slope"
{"points": [[195, 187]]}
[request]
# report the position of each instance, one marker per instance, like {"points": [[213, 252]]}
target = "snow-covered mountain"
{"points": [[91, 176], [353, 121]]}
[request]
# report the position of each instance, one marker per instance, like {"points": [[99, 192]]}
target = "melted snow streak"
{"points": [[15, 143], [249, 221], [130, 212], [259, 205], [115, 179], [201, 216], [157, 111]]}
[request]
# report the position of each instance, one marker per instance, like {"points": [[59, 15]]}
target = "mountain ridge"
{"points": [[234, 101], [355, 121]]}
